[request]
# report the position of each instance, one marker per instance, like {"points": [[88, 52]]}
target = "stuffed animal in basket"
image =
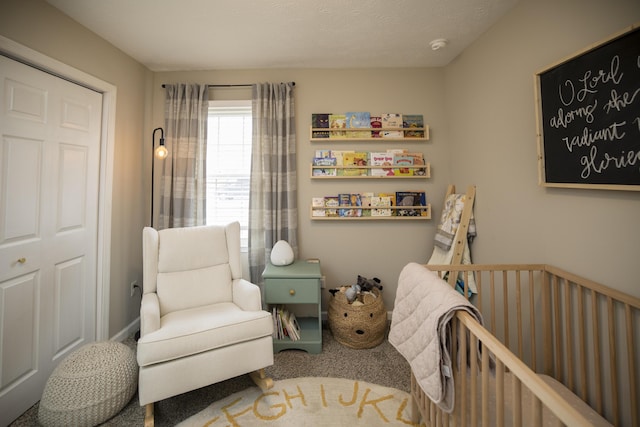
{"points": [[350, 292], [368, 284]]}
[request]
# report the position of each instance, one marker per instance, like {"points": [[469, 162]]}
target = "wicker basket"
{"points": [[358, 326]]}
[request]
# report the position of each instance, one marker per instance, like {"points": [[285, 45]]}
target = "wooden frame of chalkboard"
{"points": [[588, 116]]}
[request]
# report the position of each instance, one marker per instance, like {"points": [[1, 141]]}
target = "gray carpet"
{"points": [[381, 365]]}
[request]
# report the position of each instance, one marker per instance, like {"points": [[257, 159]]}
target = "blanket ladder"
{"points": [[461, 235]]}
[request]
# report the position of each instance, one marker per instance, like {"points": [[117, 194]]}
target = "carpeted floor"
{"points": [[381, 365]]}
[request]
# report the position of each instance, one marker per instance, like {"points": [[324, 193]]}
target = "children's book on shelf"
{"points": [[318, 212], [411, 122], [320, 120], [418, 160], [350, 205], [356, 120], [317, 206], [331, 204], [356, 202], [392, 120], [406, 201], [317, 202], [381, 159], [365, 200], [345, 204], [403, 165], [380, 205], [337, 121], [376, 122], [355, 158], [323, 153], [324, 161], [339, 156]]}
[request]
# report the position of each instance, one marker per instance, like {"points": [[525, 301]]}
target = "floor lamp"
{"points": [[160, 153]]}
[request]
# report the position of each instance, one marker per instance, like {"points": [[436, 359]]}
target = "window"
{"points": [[229, 165]]}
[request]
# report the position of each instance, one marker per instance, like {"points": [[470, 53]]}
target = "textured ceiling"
{"points": [[172, 35]]}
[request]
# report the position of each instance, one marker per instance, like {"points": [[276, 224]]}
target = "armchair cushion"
{"points": [[193, 268], [178, 290], [191, 331]]}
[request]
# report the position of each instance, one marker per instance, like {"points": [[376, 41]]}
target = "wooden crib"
{"points": [[541, 324]]}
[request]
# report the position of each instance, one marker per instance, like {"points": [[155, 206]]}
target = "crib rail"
{"points": [[486, 375], [583, 334]]}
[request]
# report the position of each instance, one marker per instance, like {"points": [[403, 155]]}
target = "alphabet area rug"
{"points": [[309, 401]]}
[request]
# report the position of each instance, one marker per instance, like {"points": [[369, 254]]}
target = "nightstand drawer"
{"points": [[294, 291]]}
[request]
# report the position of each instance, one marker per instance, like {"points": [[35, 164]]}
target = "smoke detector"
{"points": [[438, 44]]}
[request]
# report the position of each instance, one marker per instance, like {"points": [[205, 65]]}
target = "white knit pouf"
{"points": [[89, 386]]}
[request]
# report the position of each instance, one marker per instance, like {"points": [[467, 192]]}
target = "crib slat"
{"points": [[499, 393], [473, 359], [517, 401], [432, 412], [536, 412], [612, 362], [462, 414], [465, 288], [485, 385], [596, 349], [479, 286], [532, 323], [633, 397], [505, 304], [583, 354], [492, 286], [415, 401], [568, 359], [546, 324], [519, 313], [557, 322]]}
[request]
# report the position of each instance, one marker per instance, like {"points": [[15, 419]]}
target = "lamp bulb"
{"points": [[161, 152]]}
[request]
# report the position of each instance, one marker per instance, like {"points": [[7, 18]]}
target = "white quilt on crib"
{"points": [[420, 329]]}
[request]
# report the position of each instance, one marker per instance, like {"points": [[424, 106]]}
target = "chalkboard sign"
{"points": [[588, 117]]}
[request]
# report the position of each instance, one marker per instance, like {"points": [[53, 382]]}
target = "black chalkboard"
{"points": [[589, 117]]}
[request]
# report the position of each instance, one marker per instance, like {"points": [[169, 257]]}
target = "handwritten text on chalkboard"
{"points": [[590, 108]]}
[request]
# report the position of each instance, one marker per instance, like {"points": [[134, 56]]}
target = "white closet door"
{"points": [[49, 184]]}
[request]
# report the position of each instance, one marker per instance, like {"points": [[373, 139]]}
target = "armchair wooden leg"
{"points": [[260, 378], [148, 415]]}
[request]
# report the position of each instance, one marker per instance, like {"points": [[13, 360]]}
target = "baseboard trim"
{"points": [[130, 329]]}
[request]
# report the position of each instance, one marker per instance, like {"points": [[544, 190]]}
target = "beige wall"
{"points": [[348, 248], [481, 112], [490, 111], [37, 25]]}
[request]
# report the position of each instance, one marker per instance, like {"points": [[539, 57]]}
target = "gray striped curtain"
{"points": [[183, 183], [273, 205]]}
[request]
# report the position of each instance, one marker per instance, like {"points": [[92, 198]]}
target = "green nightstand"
{"points": [[297, 283]]}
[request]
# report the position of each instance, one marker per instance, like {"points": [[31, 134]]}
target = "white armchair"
{"points": [[200, 322]]}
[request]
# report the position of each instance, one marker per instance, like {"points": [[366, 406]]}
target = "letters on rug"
{"points": [[309, 401]]}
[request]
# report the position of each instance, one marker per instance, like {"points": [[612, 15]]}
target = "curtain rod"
{"points": [[238, 85]]}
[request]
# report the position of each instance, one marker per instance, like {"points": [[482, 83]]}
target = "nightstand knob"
{"points": [[292, 292]]}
